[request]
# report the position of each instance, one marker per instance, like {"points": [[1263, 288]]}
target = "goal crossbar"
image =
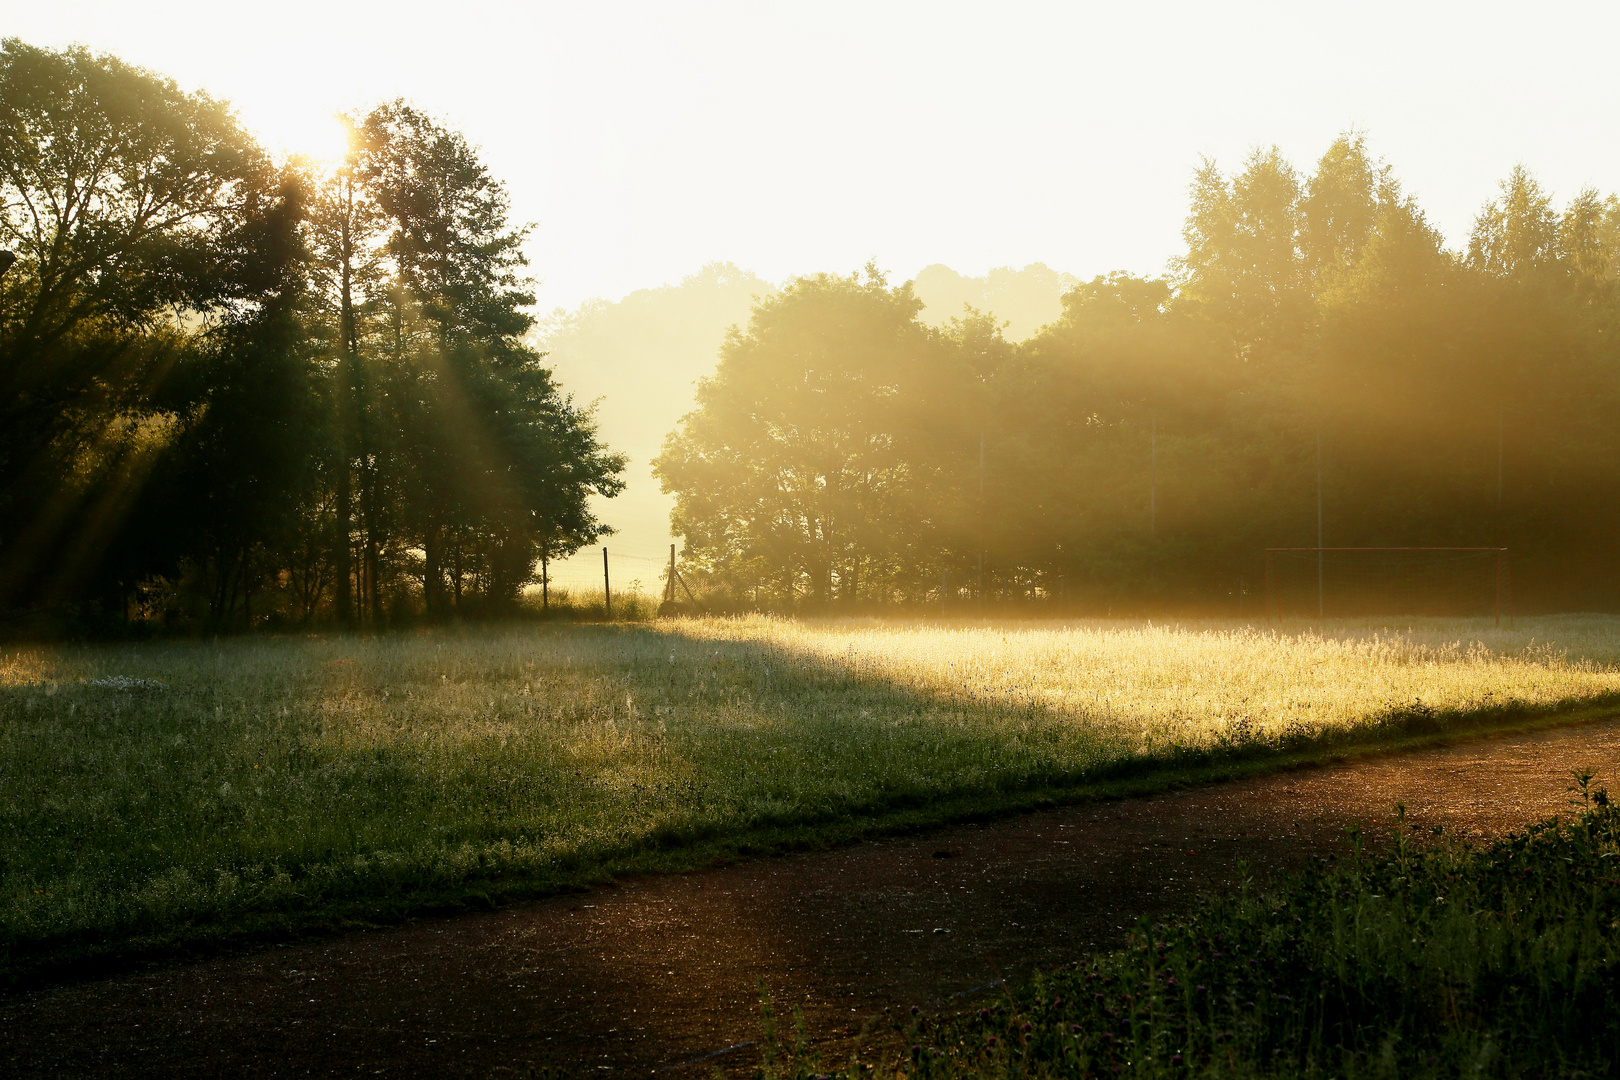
{"points": [[1499, 576]]}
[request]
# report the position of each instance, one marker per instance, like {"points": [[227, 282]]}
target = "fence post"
{"points": [[669, 585], [1499, 569], [607, 588]]}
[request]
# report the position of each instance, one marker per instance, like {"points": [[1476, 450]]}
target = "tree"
{"points": [[793, 471], [1589, 241], [1243, 265], [456, 456], [1343, 200], [1516, 234], [247, 463], [127, 202]]}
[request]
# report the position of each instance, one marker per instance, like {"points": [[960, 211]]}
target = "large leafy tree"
{"points": [[793, 473], [456, 458], [1243, 264], [270, 388], [133, 207]]}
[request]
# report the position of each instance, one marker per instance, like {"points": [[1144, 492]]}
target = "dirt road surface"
{"points": [[658, 975]]}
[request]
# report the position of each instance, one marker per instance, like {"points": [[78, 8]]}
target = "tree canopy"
{"points": [[1141, 451], [235, 391]]}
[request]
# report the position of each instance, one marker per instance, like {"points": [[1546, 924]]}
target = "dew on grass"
{"points": [[373, 760]]}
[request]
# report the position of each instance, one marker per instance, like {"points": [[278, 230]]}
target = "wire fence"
{"points": [[581, 574]]}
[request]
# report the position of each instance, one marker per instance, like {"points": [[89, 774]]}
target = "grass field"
{"points": [[166, 792]]}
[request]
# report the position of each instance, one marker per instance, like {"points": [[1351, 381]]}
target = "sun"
{"points": [[321, 139]]}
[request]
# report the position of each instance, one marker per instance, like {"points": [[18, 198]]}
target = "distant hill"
{"points": [[1025, 299], [639, 358]]}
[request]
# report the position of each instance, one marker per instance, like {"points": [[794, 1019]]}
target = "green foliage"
{"points": [[1420, 961], [456, 462], [793, 472], [136, 210], [232, 394], [1141, 450]]}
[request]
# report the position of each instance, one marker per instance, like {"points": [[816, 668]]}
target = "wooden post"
{"points": [[1498, 586], [607, 587]]}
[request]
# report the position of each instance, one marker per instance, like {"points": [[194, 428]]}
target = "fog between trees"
{"points": [[1140, 452], [236, 392], [641, 358]]}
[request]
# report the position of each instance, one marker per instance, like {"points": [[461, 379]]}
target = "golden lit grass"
{"points": [[186, 789], [1206, 683]]}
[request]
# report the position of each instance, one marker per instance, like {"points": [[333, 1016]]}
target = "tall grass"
{"points": [[573, 602], [184, 789]]}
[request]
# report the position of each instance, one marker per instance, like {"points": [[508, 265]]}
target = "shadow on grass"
{"points": [[660, 749]]}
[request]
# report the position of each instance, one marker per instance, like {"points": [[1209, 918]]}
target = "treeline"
{"points": [[236, 392], [1142, 451]]}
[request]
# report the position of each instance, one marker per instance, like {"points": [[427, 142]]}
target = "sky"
{"points": [[646, 139]]}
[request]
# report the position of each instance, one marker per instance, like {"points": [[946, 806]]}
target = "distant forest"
{"points": [[1139, 453], [235, 393]]}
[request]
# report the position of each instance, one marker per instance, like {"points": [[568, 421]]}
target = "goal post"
{"points": [[1345, 582]]}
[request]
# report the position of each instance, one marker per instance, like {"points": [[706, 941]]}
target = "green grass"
{"points": [[162, 794], [1433, 961]]}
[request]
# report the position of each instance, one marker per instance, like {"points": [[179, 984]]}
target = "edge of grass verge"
{"points": [[83, 958]]}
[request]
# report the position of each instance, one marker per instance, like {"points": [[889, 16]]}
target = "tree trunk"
{"points": [[345, 555], [455, 569], [432, 573]]}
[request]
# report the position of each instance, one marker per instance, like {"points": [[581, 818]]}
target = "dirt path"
{"points": [[659, 974]]}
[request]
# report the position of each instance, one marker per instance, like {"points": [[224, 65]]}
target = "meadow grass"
{"points": [[160, 793]]}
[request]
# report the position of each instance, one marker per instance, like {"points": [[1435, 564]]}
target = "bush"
{"points": [[1417, 962]]}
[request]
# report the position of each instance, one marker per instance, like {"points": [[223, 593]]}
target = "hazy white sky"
{"points": [[646, 139]]}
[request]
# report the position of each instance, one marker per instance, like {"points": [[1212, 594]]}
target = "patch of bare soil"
{"points": [[658, 975]]}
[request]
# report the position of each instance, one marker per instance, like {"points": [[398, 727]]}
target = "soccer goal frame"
{"points": [[1503, 586]]}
